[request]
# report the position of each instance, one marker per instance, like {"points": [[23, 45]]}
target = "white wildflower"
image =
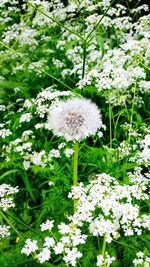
{"points": [[100, 260], [44, 255], [141, 260], [39, 125], [74, 119], [2, 107], [25, 117], [72, 256], [54, 153], [30, 246], [26, 134], [48, 225], [68, 152], [49, 242], [27, 103], [26, 164], [6, 203], [7, 189], [50, 183], [59, 248], [4, 231], [5, 132]]}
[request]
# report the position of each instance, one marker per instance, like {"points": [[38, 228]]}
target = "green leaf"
{"points": [[28, 185], [8, 173]]}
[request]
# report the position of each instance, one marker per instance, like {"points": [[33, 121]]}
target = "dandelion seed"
{"points": [[75, 119]]}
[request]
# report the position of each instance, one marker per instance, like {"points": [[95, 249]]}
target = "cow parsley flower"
{"points": [[30, 246], [44, 255], [74, 119], [141, 260], [4, 231], [48, 225]]}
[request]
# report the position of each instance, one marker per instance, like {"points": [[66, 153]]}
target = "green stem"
{"points": [[84, 58], [146, 67], [9, 222], [75, 169], [97, 24], [132, 110], [103, 251], [75, 164], [110, 124], [104, 246], [115, 127], [54, 20]]}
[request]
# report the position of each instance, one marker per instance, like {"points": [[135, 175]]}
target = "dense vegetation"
{"points": [[74, 133]]}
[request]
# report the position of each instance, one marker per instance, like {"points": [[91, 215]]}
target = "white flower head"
{"points": [[74, 119]]}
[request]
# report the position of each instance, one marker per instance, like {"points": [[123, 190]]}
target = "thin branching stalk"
{"points": [[98, 242], [11, 225], [67, 265], [84, 58], [132, 110], [146, 67], [115, 126], [54, 20], [84, 43], [21, 222], [96, 25]]}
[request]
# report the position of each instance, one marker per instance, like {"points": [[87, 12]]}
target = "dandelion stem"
{"points": [[75, 168], [75, 164]]}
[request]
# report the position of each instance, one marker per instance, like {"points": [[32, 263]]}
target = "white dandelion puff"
{"points": [[75, 119]]}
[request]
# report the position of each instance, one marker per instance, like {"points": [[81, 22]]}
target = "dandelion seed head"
{"points": [[74, 119]]}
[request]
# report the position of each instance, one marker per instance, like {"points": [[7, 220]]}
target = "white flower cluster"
{"points": [[142, 155], [30, 246], [5, 132], [141, 260], [25, 117], [4, 231], [107, 207], [6, 189], [139, 150], [107, 261], [71, 238], [2, 107], [23, 147], [6, 202], [48, 95], [114, 73], [115, 202], [6, 13], [48, 225]]}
